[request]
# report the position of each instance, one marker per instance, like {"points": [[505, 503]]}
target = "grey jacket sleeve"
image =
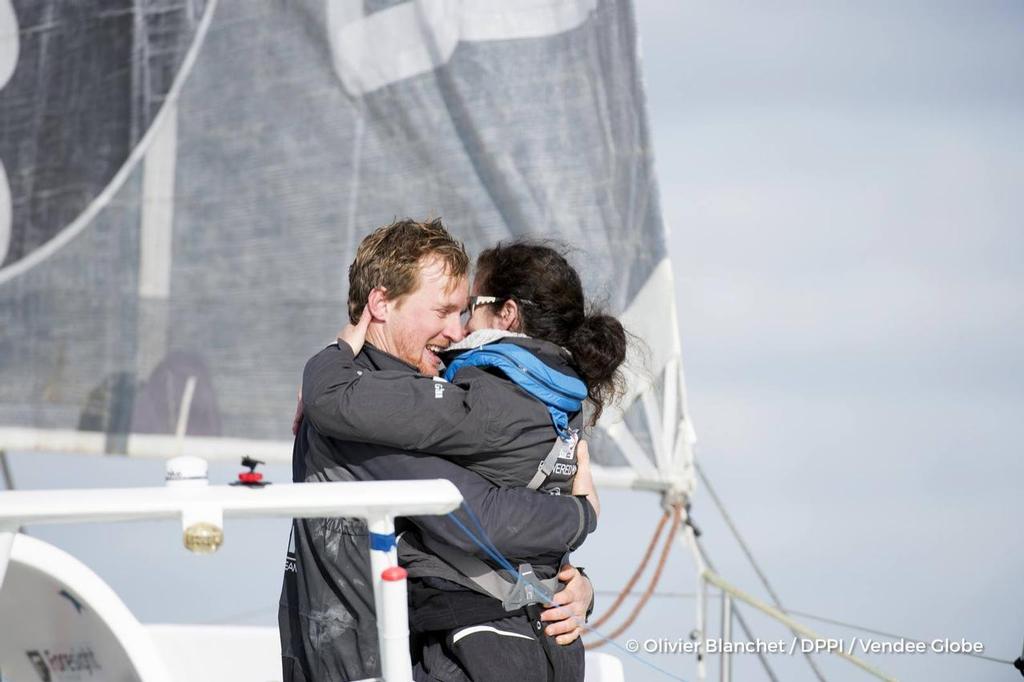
{"points": [[397, 409], [521, 523]]}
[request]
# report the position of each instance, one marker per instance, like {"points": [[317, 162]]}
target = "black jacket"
{"points": [[328, 630], [480, 420]]}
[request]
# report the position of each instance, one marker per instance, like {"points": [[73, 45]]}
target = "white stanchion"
{"points": [[394, 624], [389, 599]]}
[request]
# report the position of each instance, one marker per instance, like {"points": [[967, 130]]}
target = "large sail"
{"points": [[183, 183]]}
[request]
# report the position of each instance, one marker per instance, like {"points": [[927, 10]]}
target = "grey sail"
{"points": [[185, 183]]}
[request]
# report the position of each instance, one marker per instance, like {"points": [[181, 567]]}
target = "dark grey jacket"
{"points": [[328, 630], [480, 420]]}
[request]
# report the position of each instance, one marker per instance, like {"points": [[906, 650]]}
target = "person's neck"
{"points": [[376, 337]]}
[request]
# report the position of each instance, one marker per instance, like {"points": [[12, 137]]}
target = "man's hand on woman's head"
{"points": [[355, 334], [569, 612]]}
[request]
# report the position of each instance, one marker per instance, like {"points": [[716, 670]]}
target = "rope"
{"points": [[676, 519], [823, 619], [794, 627], [750, 557], [890, 635], [737, 614], [621, 597]]}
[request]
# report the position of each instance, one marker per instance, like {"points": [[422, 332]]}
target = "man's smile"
{"points": [[431, 352]]}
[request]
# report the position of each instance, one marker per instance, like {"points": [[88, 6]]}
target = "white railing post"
{"points": [[389, 596], [725, 669], [701, 596]]}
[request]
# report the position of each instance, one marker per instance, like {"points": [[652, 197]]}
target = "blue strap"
{"points": [[560, 393], [382, 542]]}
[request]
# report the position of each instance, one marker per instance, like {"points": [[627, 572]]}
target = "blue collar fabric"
{"points": [[560, 393]]}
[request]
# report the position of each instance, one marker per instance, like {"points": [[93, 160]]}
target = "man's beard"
{"points": [[429, 369], [418, 355]]}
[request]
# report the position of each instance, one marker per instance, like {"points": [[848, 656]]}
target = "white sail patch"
{"points": [[9, 48], [6, 213], [158, 209], [375, 50], [10, 42]]}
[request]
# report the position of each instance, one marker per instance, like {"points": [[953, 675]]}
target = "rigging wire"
{"points": [[655, 577], [648, 553], [750, 556], [738, 615], [764, 581], [890, 635], [804, 614]]}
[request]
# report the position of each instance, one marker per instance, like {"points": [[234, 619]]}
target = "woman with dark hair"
{"points": [[531, 289], [512, 411]]}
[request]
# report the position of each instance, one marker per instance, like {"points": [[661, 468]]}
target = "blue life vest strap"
{"points": [[560, 393]]}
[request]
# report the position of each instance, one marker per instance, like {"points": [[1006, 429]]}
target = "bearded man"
{"points": [[413, 278]]}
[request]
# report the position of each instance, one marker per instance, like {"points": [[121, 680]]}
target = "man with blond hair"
{"points": [[412, 278]]}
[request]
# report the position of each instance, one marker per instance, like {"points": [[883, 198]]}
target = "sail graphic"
{"points": [[188, 181]]}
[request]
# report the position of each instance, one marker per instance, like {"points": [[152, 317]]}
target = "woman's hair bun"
{"points": [[598, 348]]}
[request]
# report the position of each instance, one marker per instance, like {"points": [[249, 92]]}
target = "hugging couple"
{"points": [[484, 386]]}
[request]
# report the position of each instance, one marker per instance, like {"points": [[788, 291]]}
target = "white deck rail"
{"points": [[379, 502]]}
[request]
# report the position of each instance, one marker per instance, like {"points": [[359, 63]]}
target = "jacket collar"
{"points": [[378, 359], [552, 355]]}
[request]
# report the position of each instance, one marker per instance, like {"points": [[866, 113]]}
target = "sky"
{"points": [[842, 185], [842, 182]]}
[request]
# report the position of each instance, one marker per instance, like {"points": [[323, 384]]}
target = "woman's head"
{"points": [[531, 288]]}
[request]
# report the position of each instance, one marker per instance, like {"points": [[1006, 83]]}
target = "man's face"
{"points": [[426, 320]]}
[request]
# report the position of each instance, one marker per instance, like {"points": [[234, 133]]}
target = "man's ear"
{"points": [[379, 304], [508, 316]]}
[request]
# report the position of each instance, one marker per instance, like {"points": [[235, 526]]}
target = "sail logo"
{"points": [[78, 663]]}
